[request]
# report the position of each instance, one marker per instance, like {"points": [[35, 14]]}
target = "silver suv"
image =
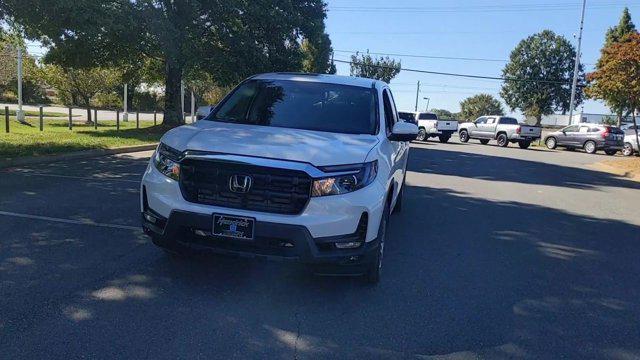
{"points": [[590, 137]]}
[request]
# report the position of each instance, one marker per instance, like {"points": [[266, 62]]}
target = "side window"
{"points": [[491, 120], [481, 120], [572, 128], [388, 112], [396, 118], [584, 129]]}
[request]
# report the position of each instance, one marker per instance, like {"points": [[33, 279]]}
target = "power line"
{"points": [[560, 82], [474, 8], [424, 56], [429, 56]]}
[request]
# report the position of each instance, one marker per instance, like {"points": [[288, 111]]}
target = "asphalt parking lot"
{"points": [[498, 253]]}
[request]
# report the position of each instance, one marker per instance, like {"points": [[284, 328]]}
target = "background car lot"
{"points": [[498, 253]]}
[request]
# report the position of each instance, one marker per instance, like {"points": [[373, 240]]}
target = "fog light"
{"points": [[150, 218], [348, 245]]}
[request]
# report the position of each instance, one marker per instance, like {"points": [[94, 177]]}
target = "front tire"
{"points": [[374, 269], [503, 141], [590, 147], [443, 138], [627, 150], [551, 143], [422, 134], [464, 136], [524, 144], [484, 141]]}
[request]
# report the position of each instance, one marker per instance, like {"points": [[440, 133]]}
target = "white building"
{"points": [[580, 117]]}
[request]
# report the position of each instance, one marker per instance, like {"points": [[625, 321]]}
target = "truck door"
{"points": [[489, 129], [476, 130]]}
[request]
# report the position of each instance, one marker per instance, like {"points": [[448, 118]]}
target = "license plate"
{"points": [[233, 226]]}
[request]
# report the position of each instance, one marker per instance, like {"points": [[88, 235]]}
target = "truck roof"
{"points": [[322, 78]]}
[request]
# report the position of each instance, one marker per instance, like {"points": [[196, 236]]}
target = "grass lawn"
{"points": [[26, 140], [630, 165]]}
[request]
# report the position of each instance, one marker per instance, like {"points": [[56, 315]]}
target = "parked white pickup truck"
{"points": [[501, 128], [430, 126]]}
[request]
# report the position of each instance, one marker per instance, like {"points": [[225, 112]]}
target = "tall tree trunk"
{"points": [[172, 100], [89, 115], [619, 113], [635, 126]]}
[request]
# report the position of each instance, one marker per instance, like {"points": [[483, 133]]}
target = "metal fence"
{"points": [[95, 121]]}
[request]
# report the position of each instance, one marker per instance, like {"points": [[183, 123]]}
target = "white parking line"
{"points": [[69, 221], [73, 177]]}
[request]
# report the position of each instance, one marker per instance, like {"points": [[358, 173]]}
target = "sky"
{"points": [[479, 29]]}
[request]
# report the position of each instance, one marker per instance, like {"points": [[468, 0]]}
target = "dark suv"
{"points": [[590, 137]]}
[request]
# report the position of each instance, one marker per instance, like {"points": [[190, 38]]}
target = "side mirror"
{"points": [[404, 131]]}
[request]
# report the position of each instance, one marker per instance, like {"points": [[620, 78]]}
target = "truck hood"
{"points": [[314, 147]]}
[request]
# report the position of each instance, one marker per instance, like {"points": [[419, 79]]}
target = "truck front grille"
{"points": [[272, 190]]}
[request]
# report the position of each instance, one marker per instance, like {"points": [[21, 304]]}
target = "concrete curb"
{"points": [[33, 160]]}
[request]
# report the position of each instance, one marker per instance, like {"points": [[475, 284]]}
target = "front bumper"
{"points": [[322, 217], [185, 231]]}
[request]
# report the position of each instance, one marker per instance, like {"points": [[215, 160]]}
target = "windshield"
{"points": [[406, 116], [427, 116], [508, 121], [301, 105]]}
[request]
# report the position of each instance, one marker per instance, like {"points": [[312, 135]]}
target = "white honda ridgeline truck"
{"points": [[288, 166]]}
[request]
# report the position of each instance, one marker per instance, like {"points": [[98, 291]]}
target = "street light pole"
{"points": [[125, 113], [20, 113], [417, 94], [576, 65], [428, 99]]}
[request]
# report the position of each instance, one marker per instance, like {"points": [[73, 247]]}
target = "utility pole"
{"points": [[182, 101], [125, 114], [576, 65], [428, 99], [193, 107], [20, 113], [417, 94]]}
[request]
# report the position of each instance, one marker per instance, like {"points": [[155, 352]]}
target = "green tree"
{"points": [[80, 86], [382, 68], [475, 106], [546, 60], [616, 34], [229, 38], [624, 28], [32, 90], [443, 114], [317, 55]]}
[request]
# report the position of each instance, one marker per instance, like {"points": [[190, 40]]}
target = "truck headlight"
{"points": [[166, 160], [351, 178]]}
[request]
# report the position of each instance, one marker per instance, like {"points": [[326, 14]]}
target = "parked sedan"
{"points": [[630, 143], [590, 137]]}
